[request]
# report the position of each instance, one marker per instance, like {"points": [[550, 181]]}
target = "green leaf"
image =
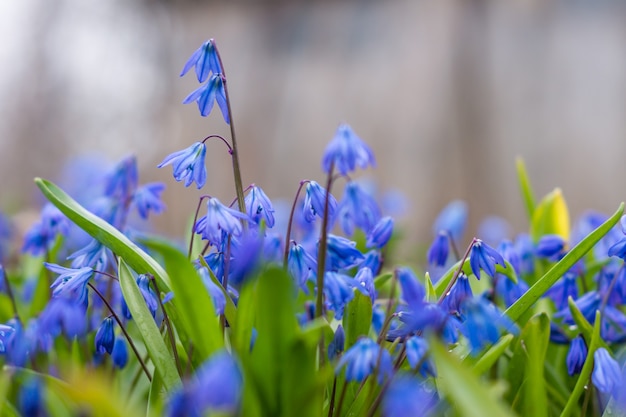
{"points": [[527, 192], [517, 309], [443, 282], [584, 327], [490, 357], [551, 216], [535, 337], [357, 318], [104, 233], [194, 305], [431, 294], [159, 354], [466, 392]]}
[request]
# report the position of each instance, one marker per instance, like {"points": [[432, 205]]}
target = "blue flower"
{"points": [[259, 207], [576, 356], [64, 315], [30, 398], [342, 253], [216, 293], [347, 151], [218, 219], [365, 283], [300, 264], [439, 250], [148, 198], [105, 337], [362, 359], [380, 234], [373, 260], [484, 257], [188, 164], [41, 236], [550, 246], [452, 219], [315, 201], [483, 324], [148, 294], [336, 346], [206, 95], [205, 60], [246, 256], [525, 249], [70, 281], [509, 290], [416, 351], [459, 292], [339, 291], [606, 375], [94, 255], [619, 249], [120, 353], [409, 397], [357, 209], [564, 288], [413, 291], [122, 181]]}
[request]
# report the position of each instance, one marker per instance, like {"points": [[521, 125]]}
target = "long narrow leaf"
{"points": [[527, 191]]}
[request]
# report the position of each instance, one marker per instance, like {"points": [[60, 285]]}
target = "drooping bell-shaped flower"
{"points": [[105, 337], [218, 219], [576, 355], [205, 61], [484, 257], [347, 152], [188, 164], [259, 207], [206, 95]]}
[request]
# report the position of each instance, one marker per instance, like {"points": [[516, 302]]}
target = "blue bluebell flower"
{"points": [[550, 247], [121, 182], [483, 324], [484, 257], [416, 355], [147, 198], [342, 253], [576, 356], [440, 248], [619, 249], [30, 398], [357, 209], [347, 152], [216, 387], [557, 335], [259, 207], [452, 219], [95, 255], [511, 255], [62, 315], [587, 304], [509, 290], [413, 291], [70, 281], [418, 318], [300, 264], [361, 361], [372, 260], [606, 375], [365, 283], [105, 337], [613, 328], [148, 293], [380, 234], [336, 346], [207, 94], [120, 353], [564, 288], [407, 396], [218, 219], [315, 201], [216, 293], [188, 164], [459, 292], [246, 256], [205, 60], [526, 250], [339, 291], [41, 236], [215, 260]]}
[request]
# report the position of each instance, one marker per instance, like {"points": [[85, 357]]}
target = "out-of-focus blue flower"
{"points": [[64, 315], [30, 398], [409, 397], [105, 337], [557, 335], [484, 257], [188, 164], [362, 359], [619, 249], [215, 260], [218, 219], [365, 283], [380, 234], [217, 295], [587, 304], [342, 253], [526, 251], [511, 255], [315, 201], [216, 387], [373, 260], [606, 375], [120, 353], [205, 60], [509, 290], [550, 246], [357, 209], [147, 198], [439, 250], [576, 356], [70, 281], [459, 292], [300, 264], [416, 351], [41, 236], [421, 317], [336, 346], [259, 207], [149, 296], [95, 255], [347, 152], [121, 182], [483, 324], [452, 219], [246, 256], [613, 329], [206, 95], [564, 288], [339, 291], [413, 291]]}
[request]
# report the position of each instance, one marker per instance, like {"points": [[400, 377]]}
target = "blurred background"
{"points": [[446, 92]]}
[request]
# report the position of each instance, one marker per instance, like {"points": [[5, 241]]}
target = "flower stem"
{"points": [[193, 227], [119, 322], [288, 235], [458, 272]]}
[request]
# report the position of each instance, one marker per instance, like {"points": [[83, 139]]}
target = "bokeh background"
{"points": [[446, 92]]}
